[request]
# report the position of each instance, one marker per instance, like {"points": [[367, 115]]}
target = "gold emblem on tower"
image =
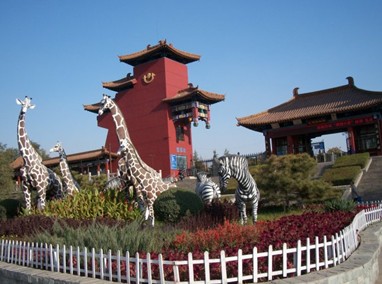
{"points": [[149, 77]]}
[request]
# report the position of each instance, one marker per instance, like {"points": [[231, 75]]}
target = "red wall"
{"points": [[148, 119]]}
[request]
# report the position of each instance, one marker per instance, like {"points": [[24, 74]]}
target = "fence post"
{"points": [[298, 267], [86, 262], [240, 266], [255, 265], [128, 267], [307, 255], [110, 264], [149, 273], [207, 267], [161, 268], [285, 260], [190, 267], [137, 268], [270, 261], [317, 252], [101, 264], [223, 266], [119, 277]]}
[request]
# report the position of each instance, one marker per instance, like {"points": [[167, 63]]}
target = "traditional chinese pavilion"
{"points": [[289, 127], [159, 105]]}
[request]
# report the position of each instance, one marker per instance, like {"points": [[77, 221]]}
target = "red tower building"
{"points": [[159, 106]]}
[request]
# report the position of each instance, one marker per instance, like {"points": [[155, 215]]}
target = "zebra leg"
{"points": [[242, 212], [255, 205]]}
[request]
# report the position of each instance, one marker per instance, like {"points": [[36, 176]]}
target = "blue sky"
{"points": [[253, 52]]}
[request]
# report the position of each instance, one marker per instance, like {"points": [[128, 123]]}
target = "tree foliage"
{"points": [[7, 156], [288, 179]]}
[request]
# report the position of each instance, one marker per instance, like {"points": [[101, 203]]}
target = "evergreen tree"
{"points": [[288, 179]]}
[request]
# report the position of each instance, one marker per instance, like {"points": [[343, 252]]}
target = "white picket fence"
{"points": [[287, 262]]}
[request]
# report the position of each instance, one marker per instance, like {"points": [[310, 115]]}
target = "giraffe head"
{"points": [[106, 103], [25, 104], [123, 145], [57, 148]]}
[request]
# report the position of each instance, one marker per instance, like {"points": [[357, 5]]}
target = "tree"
{"points": [[44, 155], [198, 163], [7, 156], [286, 179]]}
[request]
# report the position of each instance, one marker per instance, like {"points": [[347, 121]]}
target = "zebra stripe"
{"points": [[206, 189], [237, 167]]}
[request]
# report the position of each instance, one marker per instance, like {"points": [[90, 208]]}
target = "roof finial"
{"points": [[295, 92], [350, 81]]}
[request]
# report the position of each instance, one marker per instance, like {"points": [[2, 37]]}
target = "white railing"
{"points": [[267, 265]]}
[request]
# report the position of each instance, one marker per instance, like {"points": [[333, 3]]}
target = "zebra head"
{"points": [[224, 172], [201, 177]]}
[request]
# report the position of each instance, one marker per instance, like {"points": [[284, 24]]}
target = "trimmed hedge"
{"points": [[174, 204], [352, 160], [341, 176]]}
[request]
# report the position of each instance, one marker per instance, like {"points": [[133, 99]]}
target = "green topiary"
{"points": [[174, 204]]}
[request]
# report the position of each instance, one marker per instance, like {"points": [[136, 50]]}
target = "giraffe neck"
{"points": [[132, 156], [119, 122], [27, 152], [65, 170]]}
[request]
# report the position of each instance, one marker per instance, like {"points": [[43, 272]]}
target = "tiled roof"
{"points": [[83, 156], [120, 85], [301, 106], [93, 107], [162, 49], [195, 93]]}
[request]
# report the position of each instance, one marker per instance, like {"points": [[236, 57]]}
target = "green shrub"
{"points": [[130, 237], [360, 160], [90, 204], [174, 204], [341, 176], [339, 205], [12, 207], [3, 213]]}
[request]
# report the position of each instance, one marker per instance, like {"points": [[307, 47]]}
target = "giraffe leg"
{"points": [[27, 193]]}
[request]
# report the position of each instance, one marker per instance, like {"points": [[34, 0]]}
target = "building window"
{"points": [[179, 133], [281, 146], [367, 138]]}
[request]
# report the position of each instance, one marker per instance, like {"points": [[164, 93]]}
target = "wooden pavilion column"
{"points": [[268, 150], [290, 143], [351, 137]]}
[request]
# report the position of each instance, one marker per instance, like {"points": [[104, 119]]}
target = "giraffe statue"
{"points": [[33, 173], [70, 184], [148, 183]]}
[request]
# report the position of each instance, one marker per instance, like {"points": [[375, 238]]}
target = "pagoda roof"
{"points": [[162, 49], [82, 156], [93, 107], [194, 93], [302, 106], [120, 85]]}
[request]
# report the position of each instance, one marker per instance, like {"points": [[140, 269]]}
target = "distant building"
{"points": [[159, 106], [289, 127], [94, 162]]}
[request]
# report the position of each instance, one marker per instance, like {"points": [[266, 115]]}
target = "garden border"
{"points": [[362, 266], [14, 254]]}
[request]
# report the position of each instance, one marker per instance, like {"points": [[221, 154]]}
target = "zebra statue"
{"points": [[237, 167], [206, 189]]}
